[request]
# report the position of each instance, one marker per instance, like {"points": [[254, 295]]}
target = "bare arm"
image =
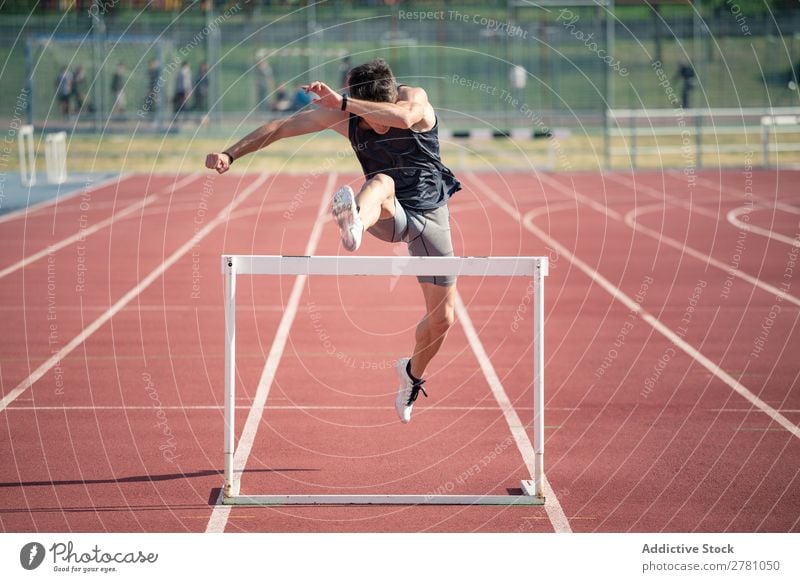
{"points": [[410, 111], [298, 124]]}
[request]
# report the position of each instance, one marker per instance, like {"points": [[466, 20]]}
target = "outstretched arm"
{"points": [[406, 113], [298, 124]]}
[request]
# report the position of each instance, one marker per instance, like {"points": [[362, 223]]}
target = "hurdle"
{"points": [[27, 156], [771, 128], [55, 155], [533, 267]]}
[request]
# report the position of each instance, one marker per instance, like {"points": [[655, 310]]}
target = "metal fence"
{"points": [[513, 64], [689, 137]]}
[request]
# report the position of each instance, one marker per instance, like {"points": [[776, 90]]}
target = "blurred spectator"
{"points": [[686, 74], [118, 89], [518, 77], [264, 81], [183, 86], [64, 90], [794, 78], [79, 88], [201, 89], [282, 102], [344, 70], [153, 97], [301, 98]]}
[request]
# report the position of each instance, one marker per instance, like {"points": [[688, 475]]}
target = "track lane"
{"points": [[665, 378], [124, 450], [610, 437]]}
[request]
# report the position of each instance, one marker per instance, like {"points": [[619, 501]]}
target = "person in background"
{"points": [[794, 77], [301, 98], [153, 97], [118, 89], [183, 86], [201, 89], [64, 83], [518, 78], [344, 70], [686, 74], [264, 80], [79, 88], [282, 101]]}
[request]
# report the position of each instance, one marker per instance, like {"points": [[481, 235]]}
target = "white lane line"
{"points": [[298, 407], [131, 294], [791, 410], [717, 186], [630, 220], [733, 218], [220, 513], [654, 322], [551, 505], [28, 210], [83, 233], [787, 208], [261, 209], [732, 215], [665, 199], [655, 193], [574, 194]]}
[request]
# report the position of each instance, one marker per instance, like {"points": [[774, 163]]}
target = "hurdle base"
{"points": [[382, 500], [529, 488], [231, 489]]}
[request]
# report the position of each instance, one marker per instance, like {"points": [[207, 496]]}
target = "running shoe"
{"points": [[407, 392], [345, 212]]}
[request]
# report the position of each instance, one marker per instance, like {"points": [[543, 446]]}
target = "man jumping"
{"points": [[393, 130]]}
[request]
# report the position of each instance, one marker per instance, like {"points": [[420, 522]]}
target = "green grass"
{"points": [[327, 152]]}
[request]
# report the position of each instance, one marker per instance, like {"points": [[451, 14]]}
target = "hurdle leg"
{"points": [[538, 381], [61, 156], [27, 157], [49, 159], [231, 487], [536, 486], [765, 123], [55, 154]]}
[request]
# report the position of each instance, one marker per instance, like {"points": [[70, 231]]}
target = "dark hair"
{"points": [[372, 81]]}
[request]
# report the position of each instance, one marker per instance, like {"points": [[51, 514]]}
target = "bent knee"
{"points": [[384, 180]]}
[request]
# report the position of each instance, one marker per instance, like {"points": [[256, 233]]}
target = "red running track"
{"points": [[671, 358]]}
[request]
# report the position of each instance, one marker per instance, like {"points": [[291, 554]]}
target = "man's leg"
{"points": [[356, 213], [432, 329], [429, 236], [375, 200]]}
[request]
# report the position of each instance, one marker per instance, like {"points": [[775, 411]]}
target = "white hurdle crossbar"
{"points": [[535, 267], [55, 156], [27, 156]]}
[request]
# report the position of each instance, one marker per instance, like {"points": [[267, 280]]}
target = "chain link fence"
{"points": [[504, 65]]}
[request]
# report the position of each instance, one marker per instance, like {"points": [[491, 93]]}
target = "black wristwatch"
{"points": [[344, 102], [229, 156]]}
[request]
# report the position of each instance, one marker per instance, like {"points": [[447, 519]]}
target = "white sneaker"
{"points": [[345, 212], [407, 392]]}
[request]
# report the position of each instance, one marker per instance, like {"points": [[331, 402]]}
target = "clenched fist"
{"points": [[219, 162]]}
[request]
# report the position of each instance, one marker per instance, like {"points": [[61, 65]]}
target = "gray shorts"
{"points": [[427, 233]]}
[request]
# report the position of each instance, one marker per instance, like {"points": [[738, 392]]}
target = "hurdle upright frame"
{"points": [[27, 156], [534, 267], [55, 155]]}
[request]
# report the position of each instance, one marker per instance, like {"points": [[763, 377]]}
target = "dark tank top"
{"points": [[410, 158]]}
